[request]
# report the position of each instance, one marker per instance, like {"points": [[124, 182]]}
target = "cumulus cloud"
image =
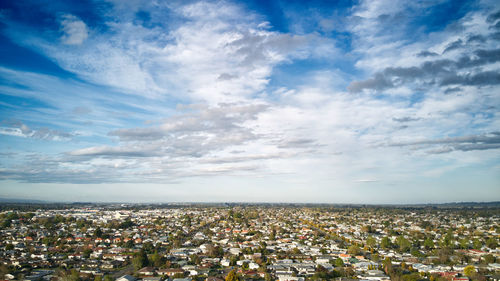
{"points": [[221, 121], [74, 30], [196, 133]]}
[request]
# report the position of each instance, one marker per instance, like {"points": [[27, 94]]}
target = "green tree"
{"points": [[353, 250], [178, 275], [428, 243], [98, 232], [244, 266], [108, 278], [469, 270], [477, 244], [155, 259], [489, 258], [385, 243], [387, 264], [403, 243], [215, 252], [73, 275], [86, 253], [464, 243], [339, 262], [194, 259], [448, 239], [371, 242], [491, 243], [140, 260], [231, 276]]}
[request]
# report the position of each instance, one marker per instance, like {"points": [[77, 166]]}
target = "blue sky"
{"points": [[376, 101]]}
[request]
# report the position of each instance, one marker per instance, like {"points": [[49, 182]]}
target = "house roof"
{"points": [[147, 269], [126, 278]]}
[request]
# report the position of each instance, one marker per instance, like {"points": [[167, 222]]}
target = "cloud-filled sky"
{"points": [[375, 101]]}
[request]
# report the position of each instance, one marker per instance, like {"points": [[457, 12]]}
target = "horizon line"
{"points": [[4, 200]]}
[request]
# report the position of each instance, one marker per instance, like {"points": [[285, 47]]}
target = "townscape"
{"points": [[249, 242]]}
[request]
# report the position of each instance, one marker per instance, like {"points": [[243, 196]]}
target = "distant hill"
{"points": [[494, 204], [450, 205], [25, 201]]}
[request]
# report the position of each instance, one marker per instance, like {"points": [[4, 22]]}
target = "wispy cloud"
{"points": [[463, 143], [19, 129]]}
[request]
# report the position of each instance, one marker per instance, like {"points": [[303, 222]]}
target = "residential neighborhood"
{"points": [[249, 242]]}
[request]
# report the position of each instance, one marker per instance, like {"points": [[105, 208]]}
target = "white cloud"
{"points": [[231, 125], [74, 30], [20, 129]]}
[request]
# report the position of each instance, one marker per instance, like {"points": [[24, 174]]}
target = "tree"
{"points": [[140, 260], [464, 243], [194, 259], [489, 258], [425, 224], [155, 259], [4, 270], [448, 239], [387, 266], [491, 243], [370, 241], [231, 276], [126, 224], [244, 266], [86, 253], [215, 252], [463, 258], [98, 278], [268, 277], [385, 243], [477, 244], [469, 270], [296, 251], [339, 262], [367, 228], [129, 244], [353, 250], [73, 275], [108, 278], [403, 243], [98, 232], [272, 236], [428, 243], [233, 260]]}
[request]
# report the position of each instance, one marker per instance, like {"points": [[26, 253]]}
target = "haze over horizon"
{"points": [[250, 101]]}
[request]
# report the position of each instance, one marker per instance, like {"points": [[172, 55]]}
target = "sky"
{"points": [[376, 101]]}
